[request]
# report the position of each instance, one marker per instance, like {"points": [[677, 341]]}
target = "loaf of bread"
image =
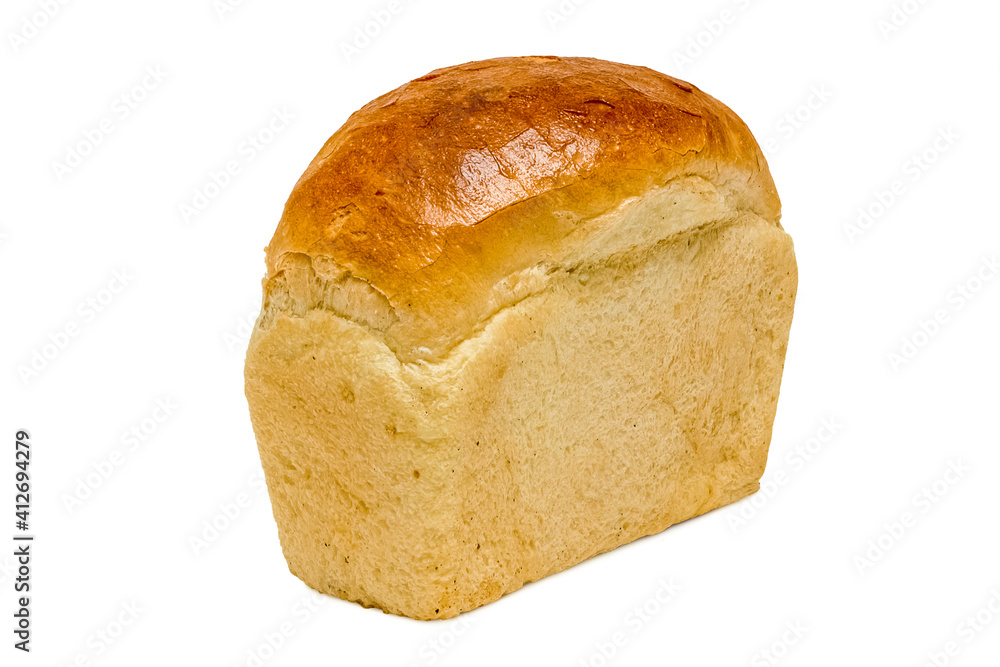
{"points": [[516, 313]]}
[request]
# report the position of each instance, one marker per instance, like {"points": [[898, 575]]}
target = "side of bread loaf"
{"points": [[565, 373]]}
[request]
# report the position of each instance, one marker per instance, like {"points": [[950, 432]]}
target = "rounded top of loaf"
{"points": [[434, 193]]}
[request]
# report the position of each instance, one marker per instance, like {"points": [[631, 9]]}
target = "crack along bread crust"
{"points": [[516, 313]]}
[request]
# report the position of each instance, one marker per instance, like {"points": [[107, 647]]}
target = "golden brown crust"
{"points": [[433, 193]]}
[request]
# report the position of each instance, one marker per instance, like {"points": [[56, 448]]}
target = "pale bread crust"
{"points": [[570, 371]]}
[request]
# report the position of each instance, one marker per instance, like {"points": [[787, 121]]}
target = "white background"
{"points": [[844, 546]]}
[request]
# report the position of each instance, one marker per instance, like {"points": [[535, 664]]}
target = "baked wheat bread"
{"points": [[516, 313]]}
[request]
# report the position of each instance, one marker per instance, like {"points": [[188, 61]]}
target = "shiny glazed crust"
{"points": [[431, 195]]}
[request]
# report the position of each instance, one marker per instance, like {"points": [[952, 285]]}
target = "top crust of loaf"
{"points": [[431, 196]]}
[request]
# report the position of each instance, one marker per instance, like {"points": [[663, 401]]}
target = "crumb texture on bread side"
{"points": [[622, 392]]}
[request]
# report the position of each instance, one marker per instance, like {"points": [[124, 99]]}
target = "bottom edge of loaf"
{"points": [[655, 528]]}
